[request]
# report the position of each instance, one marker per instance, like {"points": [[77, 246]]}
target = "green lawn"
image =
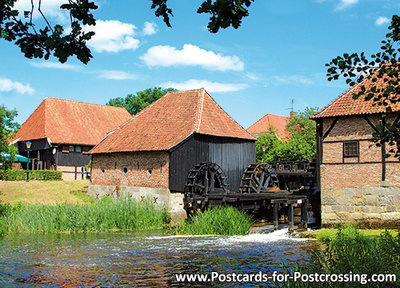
{"points": [[44, 192]]}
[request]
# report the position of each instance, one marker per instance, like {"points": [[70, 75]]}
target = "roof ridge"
{"points": [[129, 120], [228, 114], [45, 116], [266, 115], [337, 99], [199, 112], [82, 102]]}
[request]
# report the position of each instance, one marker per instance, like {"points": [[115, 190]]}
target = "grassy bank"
{"points": [[104, 215], [216, 221], [44, 192], [348, 251], [331, 233]]}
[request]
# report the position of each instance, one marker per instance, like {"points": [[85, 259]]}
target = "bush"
{"points": [[217, 221], [18, 175]]}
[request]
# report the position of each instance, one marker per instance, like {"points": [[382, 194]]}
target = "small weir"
{"points": [[143, 259]]}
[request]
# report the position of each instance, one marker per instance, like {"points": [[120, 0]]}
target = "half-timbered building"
{"points": [[62, 132], [358, 183]]}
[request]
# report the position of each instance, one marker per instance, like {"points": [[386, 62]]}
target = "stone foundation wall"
{"points": [[369, 206], [159, 196]]}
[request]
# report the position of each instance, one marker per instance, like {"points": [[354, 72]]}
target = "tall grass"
{"points": [[216, 221], [351, 252], [104, 215]]}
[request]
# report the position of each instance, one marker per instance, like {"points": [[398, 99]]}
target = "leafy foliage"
{"points": [[225, 13], [300, 146], [56, 40], [48, 40], [18, 175], [7, 129], [136, 103], [383, 70]]}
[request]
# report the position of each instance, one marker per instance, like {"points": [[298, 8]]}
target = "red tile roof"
{"points": [[345, 105], [170, 120], [71, 122], [269, 123]]}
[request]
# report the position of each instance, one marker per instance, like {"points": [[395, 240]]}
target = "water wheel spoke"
{"points": [[204, 178]]}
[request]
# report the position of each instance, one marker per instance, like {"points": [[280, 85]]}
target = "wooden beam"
{"points": [[291, 217], [304, 214], [275, 215], [383, 152], [370, 123], [330, 128]]}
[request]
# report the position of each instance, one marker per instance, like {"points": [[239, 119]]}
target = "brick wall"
{"points": [[351, 188], [143, 169]]}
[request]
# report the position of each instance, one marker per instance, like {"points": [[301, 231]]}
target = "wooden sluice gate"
{"points": [[264, 192]]}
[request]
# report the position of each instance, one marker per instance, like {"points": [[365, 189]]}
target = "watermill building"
{"points": [[357, 182], [62, 132], [151, 154]]}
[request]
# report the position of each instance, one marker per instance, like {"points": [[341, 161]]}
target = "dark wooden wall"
{"points": [[63, 158], [233, 155], [73, 159]]}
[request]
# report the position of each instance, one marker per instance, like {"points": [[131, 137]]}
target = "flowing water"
{"points": [[142, 259]]}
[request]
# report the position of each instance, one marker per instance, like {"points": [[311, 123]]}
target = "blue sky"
{"points": [[278, 54]]}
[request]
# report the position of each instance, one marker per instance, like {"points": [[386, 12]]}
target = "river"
{"points": [[142, 259]]}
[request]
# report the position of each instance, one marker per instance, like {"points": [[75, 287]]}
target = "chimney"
{"points": [[292, 114]]}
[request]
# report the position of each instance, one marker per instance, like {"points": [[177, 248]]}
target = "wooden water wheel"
{"points": [[203, 179], [258, 178]]}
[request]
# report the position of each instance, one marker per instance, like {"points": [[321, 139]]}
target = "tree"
{"points": [[136, 103], [300, 146], [383, 70], [48, 40], [7, 129]]}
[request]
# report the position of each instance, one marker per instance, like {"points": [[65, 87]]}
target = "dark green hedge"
{"points": [[16, 175]]}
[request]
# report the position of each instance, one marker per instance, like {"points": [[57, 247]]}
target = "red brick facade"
{"points": [[137, 169], [366, 170], [352, 189]]}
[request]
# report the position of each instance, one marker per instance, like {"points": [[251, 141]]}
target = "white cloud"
{"points": [[6, 85], [50, 8], [55, 65], [208, 85], [252, 76], [293, 79], [382, 20], [191, 55], [116, 75], [344, 4], [113, 36], [149, 28]]}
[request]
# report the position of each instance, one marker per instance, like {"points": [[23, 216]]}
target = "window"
{"points": [[351, 149], [71, 148], [102, 170], [78, 149], [125, 170]]}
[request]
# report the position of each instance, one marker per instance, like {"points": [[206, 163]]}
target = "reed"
{"points": [[350, 252], [217, 221], [104, 215]]}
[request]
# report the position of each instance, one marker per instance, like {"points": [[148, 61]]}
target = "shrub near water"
{"points": [[216, 221], [351, 252], [104, 215]]}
